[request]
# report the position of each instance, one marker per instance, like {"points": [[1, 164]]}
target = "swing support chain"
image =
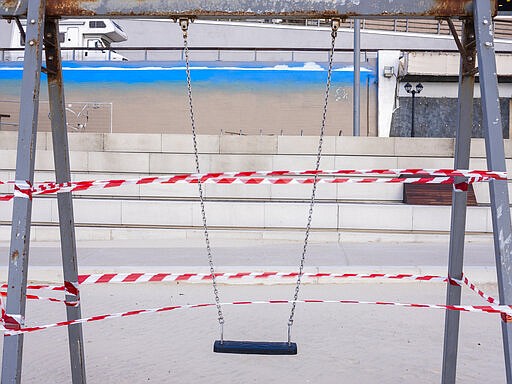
{"points": [[184, 24], [335, 24]]}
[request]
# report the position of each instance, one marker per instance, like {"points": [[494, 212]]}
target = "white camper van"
{"points": [[96, 34]]}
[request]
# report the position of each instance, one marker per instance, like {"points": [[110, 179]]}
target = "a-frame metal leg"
{"points": [[64, 200], [459, 200], [22, 210], [500, 206]]}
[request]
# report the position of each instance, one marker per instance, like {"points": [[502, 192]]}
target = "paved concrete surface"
{"points": [[256, 253], [181, 256]]}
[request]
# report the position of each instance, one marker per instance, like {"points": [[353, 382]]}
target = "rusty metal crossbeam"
{"points": [[246, 8]]}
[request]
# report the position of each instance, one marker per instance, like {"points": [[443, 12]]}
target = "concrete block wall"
{"points": [[151, 210]]}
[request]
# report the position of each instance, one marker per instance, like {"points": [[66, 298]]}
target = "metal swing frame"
{"points": [[42, 17]]}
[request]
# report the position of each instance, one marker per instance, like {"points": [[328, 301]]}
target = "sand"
{"points": [[337, 343]]}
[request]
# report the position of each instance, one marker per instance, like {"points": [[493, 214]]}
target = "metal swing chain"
{"points": [[184, 27], [335, 24]]}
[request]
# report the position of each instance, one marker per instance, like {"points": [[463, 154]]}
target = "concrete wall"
{"points": [[154, 211], [387, 91], [446, 64]]}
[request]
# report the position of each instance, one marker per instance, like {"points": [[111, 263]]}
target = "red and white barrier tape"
{"points": [[79, 187], [50, 299], [475, 289], [433, 176], [9, 321], [424, 172], [102, 278], [131, 278], [14, 322], [72, 288], [498, 309], [226, 276], [68, 287]]}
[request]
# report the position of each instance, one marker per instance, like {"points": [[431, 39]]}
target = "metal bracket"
{"points": [[471, 72], [48, 71], [22, 31], [335, 25], [455, 35], [467, 50], [184, 23]]}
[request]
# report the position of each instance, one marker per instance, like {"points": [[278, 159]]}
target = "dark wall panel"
{"points": [[437, 117]]}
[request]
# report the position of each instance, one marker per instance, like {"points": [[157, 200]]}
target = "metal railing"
{"points": [[207, 53], [502, 28]]}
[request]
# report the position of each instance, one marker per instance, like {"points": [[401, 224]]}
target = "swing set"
{"points": [[42, 27], [258, 347]]}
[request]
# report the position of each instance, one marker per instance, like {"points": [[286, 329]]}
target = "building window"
{"points": [[97, 24]]}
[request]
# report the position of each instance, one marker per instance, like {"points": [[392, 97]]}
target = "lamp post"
{"points": [[413, 92]]}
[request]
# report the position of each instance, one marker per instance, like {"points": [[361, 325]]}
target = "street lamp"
{"points": [[413, 92]]}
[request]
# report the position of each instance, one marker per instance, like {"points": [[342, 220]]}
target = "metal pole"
{"points": [[412, 119], [64, 200], [493, 130], [459, 199], [357, 78], [22, 208]]}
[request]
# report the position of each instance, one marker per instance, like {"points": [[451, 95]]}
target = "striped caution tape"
{"points": [[245, 276], [87, 186], [227, 276], [68, 287], [50, 299], [478, 291], [424, 172], [132, 278], [496, 309], [428, 176], [102, 278]]}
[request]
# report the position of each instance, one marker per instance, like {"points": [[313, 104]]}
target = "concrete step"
{"points": [[328, 216], [270, 145]]}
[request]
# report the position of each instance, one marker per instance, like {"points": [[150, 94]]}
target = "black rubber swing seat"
{"points": [[255, 347]]}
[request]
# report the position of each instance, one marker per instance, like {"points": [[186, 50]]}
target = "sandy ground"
{"points": [[337, 342]]}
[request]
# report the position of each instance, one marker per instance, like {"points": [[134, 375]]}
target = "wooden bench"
{"points": [[432, 194]]}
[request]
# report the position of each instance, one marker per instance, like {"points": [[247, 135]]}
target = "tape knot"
{"points": [[23, 189], [461, 187], [12, 322], [71, 288]]}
